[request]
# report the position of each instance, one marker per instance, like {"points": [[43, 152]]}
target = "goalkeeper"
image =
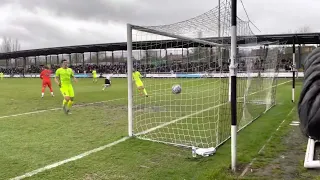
{"points": [[136, 77], [63, 79], [94, 75]]}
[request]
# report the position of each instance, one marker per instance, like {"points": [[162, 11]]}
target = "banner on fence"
{"points": [[179, 75]]}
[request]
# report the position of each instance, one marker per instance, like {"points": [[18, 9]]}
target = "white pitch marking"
{"points": [[262, 148], [55, 109], [193, 114], [29, 174], [295, 123], [32, 173], [179, 119]]}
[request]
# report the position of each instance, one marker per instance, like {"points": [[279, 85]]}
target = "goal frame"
{"points": [[233, 85], [130, 81], [130, 28], [232, 75]]}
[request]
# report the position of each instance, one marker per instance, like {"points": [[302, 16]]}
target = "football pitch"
{"points": [[35, 133]]}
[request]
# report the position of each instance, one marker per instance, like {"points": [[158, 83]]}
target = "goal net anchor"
{"points": [[205, 152], [309, 161]]}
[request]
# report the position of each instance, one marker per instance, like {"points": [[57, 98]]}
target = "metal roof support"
{"points": [[301, 38]]}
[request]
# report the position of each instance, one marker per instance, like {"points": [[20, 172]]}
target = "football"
{"points": [[176, 89]]}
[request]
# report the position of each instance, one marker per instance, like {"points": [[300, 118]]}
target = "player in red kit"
{"points": [[46, 81]]}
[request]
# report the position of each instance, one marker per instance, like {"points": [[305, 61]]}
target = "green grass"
{"points": [[32, 141], [197, 116], [284, 154]]}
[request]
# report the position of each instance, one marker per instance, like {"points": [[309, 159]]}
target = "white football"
{"points": [[176, 89]]}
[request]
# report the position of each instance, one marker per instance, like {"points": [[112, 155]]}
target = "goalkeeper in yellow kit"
{"points": [[63, 79], [136, 77], [94, 76]]}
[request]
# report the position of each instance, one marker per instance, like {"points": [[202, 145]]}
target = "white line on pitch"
{"points": [[29, 174], [55, 109], [179, 119], [193, 114], [32, 173], [262, 148], [295, 123]]}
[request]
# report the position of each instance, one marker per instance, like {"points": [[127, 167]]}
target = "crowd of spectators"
{"points": [[33, 69], [122, 68], [150, 68]]}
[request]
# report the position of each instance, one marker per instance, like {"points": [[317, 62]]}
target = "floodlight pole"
{"points": [[233, 75]]}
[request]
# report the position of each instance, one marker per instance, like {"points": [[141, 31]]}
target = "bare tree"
{"points": [[304, 29], [10, 45]]}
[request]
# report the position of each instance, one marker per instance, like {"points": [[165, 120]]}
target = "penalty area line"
{"points": [[51, 166], [196, 113], [32, 173], [55, 109], [80, 105]]}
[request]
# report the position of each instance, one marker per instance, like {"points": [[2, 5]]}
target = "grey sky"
{"points": [[47, 23]]}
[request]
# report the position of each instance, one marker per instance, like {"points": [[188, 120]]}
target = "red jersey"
{"points": [[45, 75]]}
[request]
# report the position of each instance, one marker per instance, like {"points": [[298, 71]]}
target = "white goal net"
{"points": [[194, 54]]}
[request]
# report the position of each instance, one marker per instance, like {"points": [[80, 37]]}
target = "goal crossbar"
{"points": [[153, 31], [262, 43]]}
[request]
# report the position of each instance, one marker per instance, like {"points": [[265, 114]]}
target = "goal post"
{"points": [[294, 70], [163, 116], [130, 83], [222, 83], [233, 84]]}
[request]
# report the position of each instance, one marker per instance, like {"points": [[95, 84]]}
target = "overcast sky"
{"points": [[48, 23]]}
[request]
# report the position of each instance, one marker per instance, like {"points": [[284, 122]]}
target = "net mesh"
{"points": [[186, 54], [257, 73], [209, 24]]}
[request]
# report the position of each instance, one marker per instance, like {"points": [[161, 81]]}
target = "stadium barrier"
{"points": [[38, 76], [190, 75], [178, 75]]}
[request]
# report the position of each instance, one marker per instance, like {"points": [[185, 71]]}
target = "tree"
{"points": [[304, 29], [289, 31], [9, 45]]}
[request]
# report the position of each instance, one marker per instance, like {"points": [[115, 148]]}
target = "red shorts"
{"points": [[46, 83]]}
